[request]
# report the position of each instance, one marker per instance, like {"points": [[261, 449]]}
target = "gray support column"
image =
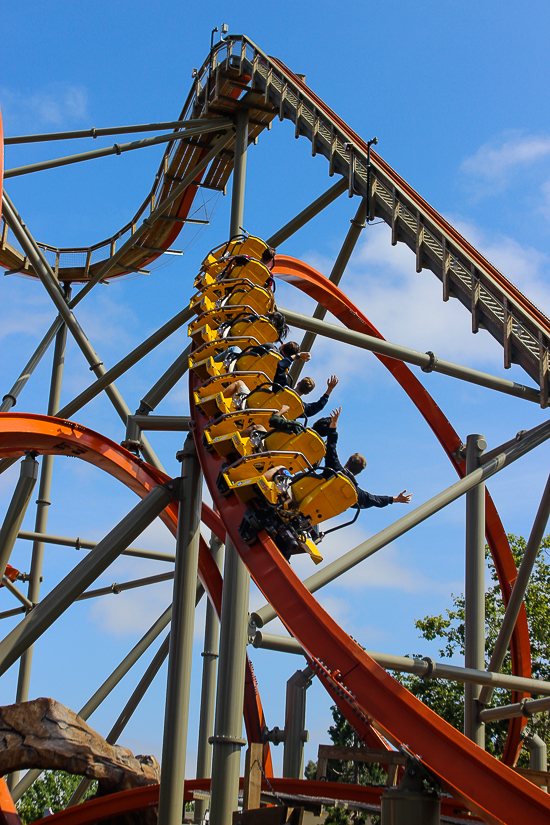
{"points": [[181, 639], [208, 692], [227, 741], [17, 509], [410, 803], [538, 754], [42, 505], [474, 593], [518, 591], [357, 226], [63, 595], [295, 723], [239, 174], [308, 213]]}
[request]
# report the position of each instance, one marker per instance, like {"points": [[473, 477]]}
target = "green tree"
{"points": [[447, 698], [52, 790], [359, 773]]}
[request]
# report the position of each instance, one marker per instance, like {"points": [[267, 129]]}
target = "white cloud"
{"points": [[545, 206], [54, 105], [407, 307], [387, 568], [489, 169]]}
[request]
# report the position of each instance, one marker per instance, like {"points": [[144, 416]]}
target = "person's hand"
{"points": [[284, 409], [403, 498], [305, 356], [334, 416], [331, 383]]}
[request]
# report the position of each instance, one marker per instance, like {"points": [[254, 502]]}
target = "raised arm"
{"points": [[331, 383]]}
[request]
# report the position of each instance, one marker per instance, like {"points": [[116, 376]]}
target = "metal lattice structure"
{"points": [[236, 95]]}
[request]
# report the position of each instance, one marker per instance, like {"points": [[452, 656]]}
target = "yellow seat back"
{"points": [[204, 279], [218, 383], [264, 397], [329, 499], [202, 334], [252, 361], [304, 486], [218, 315], [202, 303], [241, 245], [261, 300], [219, 289], [206, 368], [257, 465], [227, 444], [214, 347], [307, 442], [261, 329], [237, 421]]}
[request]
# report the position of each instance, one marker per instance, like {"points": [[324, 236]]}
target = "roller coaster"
{"points": [[270, 490]]}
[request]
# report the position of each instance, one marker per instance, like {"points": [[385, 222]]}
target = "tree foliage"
{"points": [[358, 773], [52, 789], [447, 698]]}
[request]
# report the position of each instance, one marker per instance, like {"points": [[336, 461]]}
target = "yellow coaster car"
{"points": [[232, 293], [253, 361], [218, 271], [249, 325], [246, 477], [207, 368], [198, 360], [236, 422], [209, 394], [219, 315], [240, 245], [263, 397], [320, 498], [307, 442]]}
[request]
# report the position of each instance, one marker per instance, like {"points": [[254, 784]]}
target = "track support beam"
{"points": [[474, 594], [227, 739], [208, 691], [176, 716]]}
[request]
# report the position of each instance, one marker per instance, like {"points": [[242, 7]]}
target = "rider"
{"points": [[355, 464]]}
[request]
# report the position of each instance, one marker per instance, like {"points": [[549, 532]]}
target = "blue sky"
{"points": [[456, 94]]}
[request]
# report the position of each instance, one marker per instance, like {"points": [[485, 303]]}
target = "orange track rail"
{"points": [[20, 432], [96, 810], [318, 287], [484, 785]]}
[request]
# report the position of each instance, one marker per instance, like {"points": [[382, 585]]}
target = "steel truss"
{"points": [[237, 93]]}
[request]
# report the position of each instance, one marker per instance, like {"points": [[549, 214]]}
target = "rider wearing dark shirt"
{"points": [[354, 465]]}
